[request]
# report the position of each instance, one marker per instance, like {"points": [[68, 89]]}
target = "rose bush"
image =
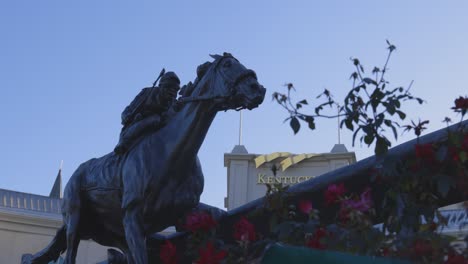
{"points": [[403, 221]]}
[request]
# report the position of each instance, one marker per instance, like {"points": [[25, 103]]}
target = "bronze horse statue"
{"points": [[119, 201]]}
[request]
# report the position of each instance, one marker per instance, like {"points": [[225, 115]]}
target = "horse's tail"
{"points": [[51, 252]]}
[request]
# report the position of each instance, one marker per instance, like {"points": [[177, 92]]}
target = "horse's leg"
{"points": [[71, 205], [116, 257], [134, 234], [51, 252], [73, 239]]}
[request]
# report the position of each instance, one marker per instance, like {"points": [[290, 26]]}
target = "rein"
{"points": [[184, 100]]}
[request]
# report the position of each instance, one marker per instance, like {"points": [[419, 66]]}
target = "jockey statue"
{"points": [[145, 111]]}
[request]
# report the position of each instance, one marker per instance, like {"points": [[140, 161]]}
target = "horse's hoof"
{"points": [[26, 259], [115, 257]]}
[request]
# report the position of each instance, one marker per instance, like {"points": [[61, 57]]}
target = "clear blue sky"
{"points": [[68, 69]]}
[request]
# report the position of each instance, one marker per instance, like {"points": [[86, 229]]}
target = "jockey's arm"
{"points": [[129, 112], [158, 102]]}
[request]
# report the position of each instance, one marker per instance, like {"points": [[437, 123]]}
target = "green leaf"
{"points": [[318, 109], [376, 98], [354, 75], [378, 121], [368, 139], [310, 121], [397, 103], [463, 157], [369, 81], [391, 47], [401, 114], [441, 153], [354, 135], [388, 123], [444, 183], [284, 230], [390, 108], [303, 102], [310, 226], [349, 124], [381, 146], [294, 123]]}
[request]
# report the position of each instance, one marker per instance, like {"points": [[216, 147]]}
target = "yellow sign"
{"points": [[288, 180]]}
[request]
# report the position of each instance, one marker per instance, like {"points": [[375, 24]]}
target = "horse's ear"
{"points": [[227, 54], [215, 56]]}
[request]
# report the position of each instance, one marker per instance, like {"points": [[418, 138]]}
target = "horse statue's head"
{"points": [[227, 84]]}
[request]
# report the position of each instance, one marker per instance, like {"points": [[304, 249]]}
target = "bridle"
{"points": [[231, 85]]}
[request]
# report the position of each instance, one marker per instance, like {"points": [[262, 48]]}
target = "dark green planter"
{"points": [[280, 254]]}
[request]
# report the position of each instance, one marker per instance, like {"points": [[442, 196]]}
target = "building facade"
{"points": [[248, 174], [28, 223]]}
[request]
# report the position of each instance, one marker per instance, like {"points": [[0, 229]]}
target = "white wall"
{"points": [[29, 232], [242, 172]]}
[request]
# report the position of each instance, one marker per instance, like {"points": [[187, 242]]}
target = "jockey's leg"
{"points": [[134, 131]]}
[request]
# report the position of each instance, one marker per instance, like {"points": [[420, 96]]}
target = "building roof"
{"points": [[14, 201], [287, 159], [56, 191]]}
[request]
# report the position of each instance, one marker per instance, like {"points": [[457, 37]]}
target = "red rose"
{"points": [[333, 193], [244, 230], [305, 206], [168, 253], [456, 259], [199, 221], [433, 227], [453, 152], [425, 152], [385, 251], [315, 240], [209, 256], [422, 248], [343, 214], [415, 166], [465, 142]]}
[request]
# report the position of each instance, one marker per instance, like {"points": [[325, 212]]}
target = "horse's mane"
{"points": [[202, 69]]}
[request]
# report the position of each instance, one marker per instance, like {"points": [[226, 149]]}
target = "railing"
{"points": [[456, 219], [27, 201]]}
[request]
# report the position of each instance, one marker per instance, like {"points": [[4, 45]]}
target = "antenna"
{"points": [[61, 164], [240, 127], [339, 136]]}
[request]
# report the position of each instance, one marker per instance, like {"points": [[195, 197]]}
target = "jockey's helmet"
{"points": [[169, 78]]}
